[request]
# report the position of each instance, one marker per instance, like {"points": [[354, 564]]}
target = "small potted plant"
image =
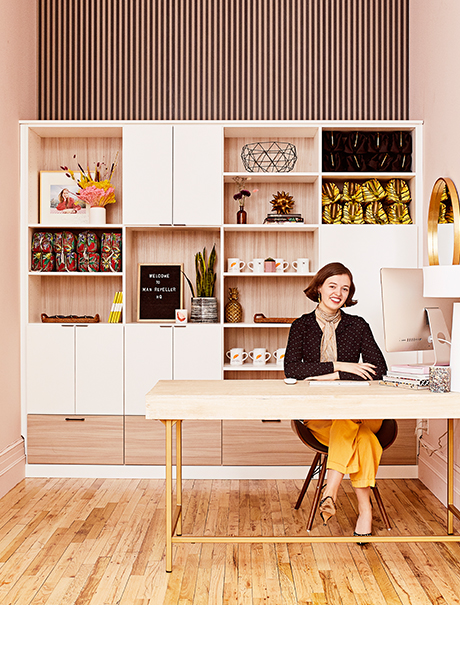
{"points": [[204, 303], [269, 265]]}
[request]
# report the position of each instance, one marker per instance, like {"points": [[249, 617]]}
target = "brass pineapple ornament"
{"points": [[233, 309]]}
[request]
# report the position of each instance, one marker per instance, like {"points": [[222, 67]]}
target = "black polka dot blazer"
{"points": [[355, 342]]}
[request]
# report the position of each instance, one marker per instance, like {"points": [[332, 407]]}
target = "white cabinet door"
{"points": [[148, 358], [50, 369], [364, 249], [99, 369], [147, 174], [198, 352], [198, 160]]}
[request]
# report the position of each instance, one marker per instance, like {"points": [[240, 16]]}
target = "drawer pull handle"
{"points": [[75, 419], [271, 420]]}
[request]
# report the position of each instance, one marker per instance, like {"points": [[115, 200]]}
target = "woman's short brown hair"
{"points": [[331, 269]]}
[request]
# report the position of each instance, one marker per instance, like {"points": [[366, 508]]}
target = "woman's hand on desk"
{"points": [[364, 370], [328, 377]]}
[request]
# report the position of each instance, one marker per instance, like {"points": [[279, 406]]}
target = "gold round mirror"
{"points": [[443, 187]]}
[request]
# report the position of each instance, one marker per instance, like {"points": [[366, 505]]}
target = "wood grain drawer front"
{"points": [[404, 449], [145, 442], [86, 440], [253, 442], [250, 442]]}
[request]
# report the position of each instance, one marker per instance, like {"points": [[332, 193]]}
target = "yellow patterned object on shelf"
{"points": [[398, 191], [398, 197], [353, 213], [352, 197], [352, 192], [330, 193], [332, 214], [373, 191], [375, 214], [398, 214]]}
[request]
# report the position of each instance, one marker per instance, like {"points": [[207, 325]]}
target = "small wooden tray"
{"points": [[69, 319], [261, 318]]}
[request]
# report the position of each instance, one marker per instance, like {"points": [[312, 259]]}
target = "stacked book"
{"points": [[408, 376], [117, 306]]}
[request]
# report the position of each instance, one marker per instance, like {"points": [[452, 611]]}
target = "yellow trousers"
{"points": [[353, 447]]}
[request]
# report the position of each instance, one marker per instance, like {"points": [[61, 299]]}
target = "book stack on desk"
{"points": [[408, 376]]}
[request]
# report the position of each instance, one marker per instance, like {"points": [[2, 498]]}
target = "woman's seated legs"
{"points": [[353, 449]]}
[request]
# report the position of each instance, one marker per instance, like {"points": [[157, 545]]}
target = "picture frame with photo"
{"points": [[59, 204]]}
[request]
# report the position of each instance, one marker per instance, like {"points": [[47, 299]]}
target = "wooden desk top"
{"points": [[273, 399]]}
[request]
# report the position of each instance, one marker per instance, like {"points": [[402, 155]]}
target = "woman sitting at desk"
{"points": [[329, 344]]}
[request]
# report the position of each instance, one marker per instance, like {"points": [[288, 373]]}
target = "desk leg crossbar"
{"points": [[174, 513]]}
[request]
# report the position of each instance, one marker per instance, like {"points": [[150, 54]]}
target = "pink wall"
{"points": [[435, 98], [18, 92]]}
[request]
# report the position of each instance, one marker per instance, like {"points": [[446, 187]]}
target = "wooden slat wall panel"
{"points": [[223, 59]]}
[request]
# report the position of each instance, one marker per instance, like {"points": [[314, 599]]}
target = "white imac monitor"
{"points": [[412, 322]]}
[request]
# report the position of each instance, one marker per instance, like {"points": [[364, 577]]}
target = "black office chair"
{"points": [[386, 437]]}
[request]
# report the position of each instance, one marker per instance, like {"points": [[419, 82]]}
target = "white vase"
{"points": [[97, 215]]}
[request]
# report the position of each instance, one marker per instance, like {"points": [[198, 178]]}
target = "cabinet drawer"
{"points": [[145, 442], [90, 440], [253, 442]]}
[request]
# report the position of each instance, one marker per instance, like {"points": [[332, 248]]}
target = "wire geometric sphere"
{"points": [[269, 157]]}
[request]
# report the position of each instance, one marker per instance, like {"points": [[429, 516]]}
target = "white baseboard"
{"points": [[12, 466], [433, 474], [196, 472]]}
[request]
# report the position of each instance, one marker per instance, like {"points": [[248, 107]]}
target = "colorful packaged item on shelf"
{"points": [[43, 252], [65, 251], [111, 252], [89, 258]]}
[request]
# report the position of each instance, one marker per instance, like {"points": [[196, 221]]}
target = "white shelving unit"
{"points": [[174, 188]]}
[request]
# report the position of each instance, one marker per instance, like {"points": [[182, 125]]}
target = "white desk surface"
{"points": [[273, 399]]}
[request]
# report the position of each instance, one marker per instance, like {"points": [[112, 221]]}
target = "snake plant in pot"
{"points": [[204, 303]]}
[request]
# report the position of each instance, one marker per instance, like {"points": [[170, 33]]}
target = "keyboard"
{"points": [[338, 383]]}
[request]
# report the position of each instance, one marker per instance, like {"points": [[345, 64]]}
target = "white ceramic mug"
{"points": [[281, 264], [301, 265], [259, 355], [181, 316], [237, 356], [235, 265], [279, 355], [256, 265]]}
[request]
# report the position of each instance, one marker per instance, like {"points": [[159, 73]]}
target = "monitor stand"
{"points": [[440, 337]]}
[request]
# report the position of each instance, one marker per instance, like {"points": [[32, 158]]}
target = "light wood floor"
{"points": [[72, 542]]}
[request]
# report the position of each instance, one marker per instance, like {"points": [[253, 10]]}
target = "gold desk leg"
{"points": [[450, 476], [169, 503], [179, 475]]}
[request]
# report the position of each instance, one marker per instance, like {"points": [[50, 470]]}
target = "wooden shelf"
{"points": [[68, 226], [340, 175], [269, 275], [253, 367], [257, 325], [74, 274], [288, 228], [263, 178]]}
